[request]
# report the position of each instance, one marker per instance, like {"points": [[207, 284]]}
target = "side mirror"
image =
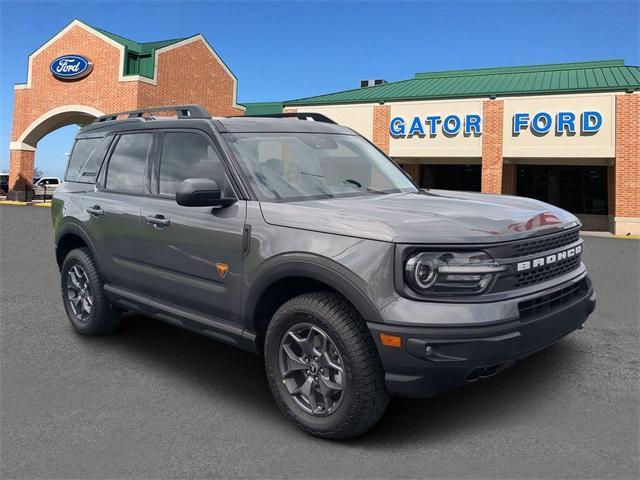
{"points": [[201, 192]]}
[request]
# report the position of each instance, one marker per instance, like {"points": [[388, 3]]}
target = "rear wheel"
{"points": [[323, 368], [85, 302]]}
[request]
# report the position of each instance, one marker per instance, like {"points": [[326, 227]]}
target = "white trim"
{"points": [[51, 113], [21, 146], [120, 47]]}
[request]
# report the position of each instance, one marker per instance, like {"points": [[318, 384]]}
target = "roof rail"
{"points": [[183, 111], [316, 117]]}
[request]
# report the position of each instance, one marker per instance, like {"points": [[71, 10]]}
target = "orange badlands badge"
{"points": [[223, 268]]}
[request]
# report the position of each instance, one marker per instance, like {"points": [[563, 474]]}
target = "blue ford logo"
{"points": [[70, 67]]}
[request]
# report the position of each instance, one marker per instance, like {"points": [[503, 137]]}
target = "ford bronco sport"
{"points": [[297, 239]]}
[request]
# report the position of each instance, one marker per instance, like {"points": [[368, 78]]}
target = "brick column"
{"points": [[381, 118], [492, 161], [509, 179], [21, 165], [413, 169], [627, 167]]}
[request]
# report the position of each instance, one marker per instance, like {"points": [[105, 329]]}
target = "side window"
{"points": [[188, 155], [128, 161], [85, 160], [53, 181]]}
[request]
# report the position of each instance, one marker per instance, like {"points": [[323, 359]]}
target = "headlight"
{"points": [[449, 273]]}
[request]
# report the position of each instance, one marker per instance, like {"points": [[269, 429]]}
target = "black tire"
{"points": [[363, 400], [103, 318]]}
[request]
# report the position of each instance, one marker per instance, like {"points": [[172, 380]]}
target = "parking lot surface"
{"points": [[153, 401]]}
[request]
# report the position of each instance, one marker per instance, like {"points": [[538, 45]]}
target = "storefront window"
{"points": [[578, 189], [451, 177]]}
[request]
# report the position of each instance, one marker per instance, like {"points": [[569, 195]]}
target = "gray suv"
{"points": [[297, 239]]}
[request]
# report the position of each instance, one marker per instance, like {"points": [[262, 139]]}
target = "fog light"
{"points": [[428, 350]]}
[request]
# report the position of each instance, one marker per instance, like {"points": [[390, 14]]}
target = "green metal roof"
{"points": [[608, 75], [139, 57], [263, 108]]}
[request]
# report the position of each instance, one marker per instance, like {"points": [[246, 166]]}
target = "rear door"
{"points": [[192, 255], [112, 210]]}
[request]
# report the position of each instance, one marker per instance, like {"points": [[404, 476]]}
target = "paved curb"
{"points": [[25, 204], [609, 235]]}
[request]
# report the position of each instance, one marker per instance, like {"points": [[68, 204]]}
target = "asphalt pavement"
{"points": [[154, 401]]}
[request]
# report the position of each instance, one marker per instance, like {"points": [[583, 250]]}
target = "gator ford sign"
{"points": [[71, 67], [432, 125], [539, 123]]}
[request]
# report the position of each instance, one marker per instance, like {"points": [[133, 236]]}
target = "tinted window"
{"points": [[451, 177], [577, 189], [127, 163], [84, 161], [188, 155]]}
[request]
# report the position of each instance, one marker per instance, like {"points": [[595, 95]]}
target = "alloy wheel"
{"points": [[312, 369], [79, 293]]}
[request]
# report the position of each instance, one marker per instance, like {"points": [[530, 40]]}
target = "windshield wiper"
{"points": [[352, 183], [373, 190]]}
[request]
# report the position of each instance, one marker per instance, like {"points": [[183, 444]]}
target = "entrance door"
{"points": [[192, 255]]}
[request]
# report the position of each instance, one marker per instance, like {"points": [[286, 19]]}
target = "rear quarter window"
{"points": [[85, 160]]}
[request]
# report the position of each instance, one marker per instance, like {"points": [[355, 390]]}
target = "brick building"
{"points": [[568, 134], [121, 75]]}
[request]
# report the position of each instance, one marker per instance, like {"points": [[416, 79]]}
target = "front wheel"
{"points": [[323, 368]]}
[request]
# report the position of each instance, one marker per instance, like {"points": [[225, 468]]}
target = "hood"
{"points": [[428, 216]]}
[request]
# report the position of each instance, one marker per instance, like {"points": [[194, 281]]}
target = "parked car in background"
{"points": [[45, 186], [4, 183]]}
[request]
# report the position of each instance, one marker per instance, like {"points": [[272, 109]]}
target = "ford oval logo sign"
{"points": [[71, 67]]}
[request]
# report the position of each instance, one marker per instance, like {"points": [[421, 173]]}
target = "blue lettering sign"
{"points": [[451, 124], [433, 123], [537, 126], [396, 126], [566, 120], [416, 127], [472, 122], [591, 122], [70, 67], [520, 121]]}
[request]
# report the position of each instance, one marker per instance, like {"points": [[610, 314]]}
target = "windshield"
{"points": [[304, 166]]}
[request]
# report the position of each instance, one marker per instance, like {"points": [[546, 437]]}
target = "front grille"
{"points": [[551, 301], [545, 243], [546, 273]]}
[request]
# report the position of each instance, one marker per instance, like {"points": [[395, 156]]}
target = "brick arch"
{"points": [[22, 154], [54, 119], [184, 71]]}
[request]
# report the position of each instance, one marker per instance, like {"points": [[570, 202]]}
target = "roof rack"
{"points": [[316, 117], [183, 111]]}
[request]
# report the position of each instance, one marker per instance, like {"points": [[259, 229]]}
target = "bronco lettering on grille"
{"points": [[548, 259]]}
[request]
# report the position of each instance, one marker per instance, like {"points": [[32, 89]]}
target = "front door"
{"points": [[192, 255]]}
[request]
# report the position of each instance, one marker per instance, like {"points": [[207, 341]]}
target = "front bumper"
{"points": [[433, 359]]}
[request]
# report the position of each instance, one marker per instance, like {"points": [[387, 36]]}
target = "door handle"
{"points": [[158, 220], [95, 210]]}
